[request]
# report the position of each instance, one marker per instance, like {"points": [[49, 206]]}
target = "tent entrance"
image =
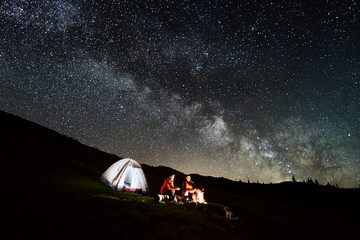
{"points": [[128, 177]]}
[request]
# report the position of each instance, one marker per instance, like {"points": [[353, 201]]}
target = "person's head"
{"points": [[188, 178], [171, 177]]}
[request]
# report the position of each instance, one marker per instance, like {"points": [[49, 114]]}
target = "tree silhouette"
{"points": [[310, 181], [316, 182], [293, 179]]}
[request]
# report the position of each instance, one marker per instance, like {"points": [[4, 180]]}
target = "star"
{"points": [[241, 89]]}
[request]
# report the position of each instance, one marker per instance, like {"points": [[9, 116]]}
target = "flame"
{"points": [[198, 197]]}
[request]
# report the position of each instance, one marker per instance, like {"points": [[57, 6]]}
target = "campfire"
{"points": [[198, 196]]}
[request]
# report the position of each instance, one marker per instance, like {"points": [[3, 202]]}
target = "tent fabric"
{"points": [[126, 174]]}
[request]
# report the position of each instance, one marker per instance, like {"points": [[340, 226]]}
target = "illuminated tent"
{"points": [[126, 175]]}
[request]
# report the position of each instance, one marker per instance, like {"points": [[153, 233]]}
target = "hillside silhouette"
{"points": [[51, 189]]}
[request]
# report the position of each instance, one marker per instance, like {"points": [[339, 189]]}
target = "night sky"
{"points": [[259, 90]]}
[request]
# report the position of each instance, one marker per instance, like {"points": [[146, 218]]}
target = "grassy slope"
{"points": [[286, 210], [51, 189]]}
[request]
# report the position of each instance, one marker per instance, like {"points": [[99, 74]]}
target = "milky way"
{"points": [[255, 90]]}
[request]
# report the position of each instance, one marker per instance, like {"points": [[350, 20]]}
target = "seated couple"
{"points": [[189, 191]]}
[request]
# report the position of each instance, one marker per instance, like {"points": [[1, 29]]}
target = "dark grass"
{"points": [[51, 190]]}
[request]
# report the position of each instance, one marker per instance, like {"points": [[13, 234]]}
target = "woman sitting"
{"points": [[188, 188]]}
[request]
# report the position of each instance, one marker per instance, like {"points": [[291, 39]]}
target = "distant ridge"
{"points": [[21, 139]]}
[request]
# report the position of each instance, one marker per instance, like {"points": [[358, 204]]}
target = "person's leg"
{"points": [[171, 194], [190, 196], [186, 196]]}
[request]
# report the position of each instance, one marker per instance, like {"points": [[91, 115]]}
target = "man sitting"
{"points": [[188, 188], [169, 189]]}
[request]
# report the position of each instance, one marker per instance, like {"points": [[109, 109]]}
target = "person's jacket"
{"points": [[187, 186], [168, 185]]}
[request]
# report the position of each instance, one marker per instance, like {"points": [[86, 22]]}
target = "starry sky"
{"points": [[251, 89]]}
